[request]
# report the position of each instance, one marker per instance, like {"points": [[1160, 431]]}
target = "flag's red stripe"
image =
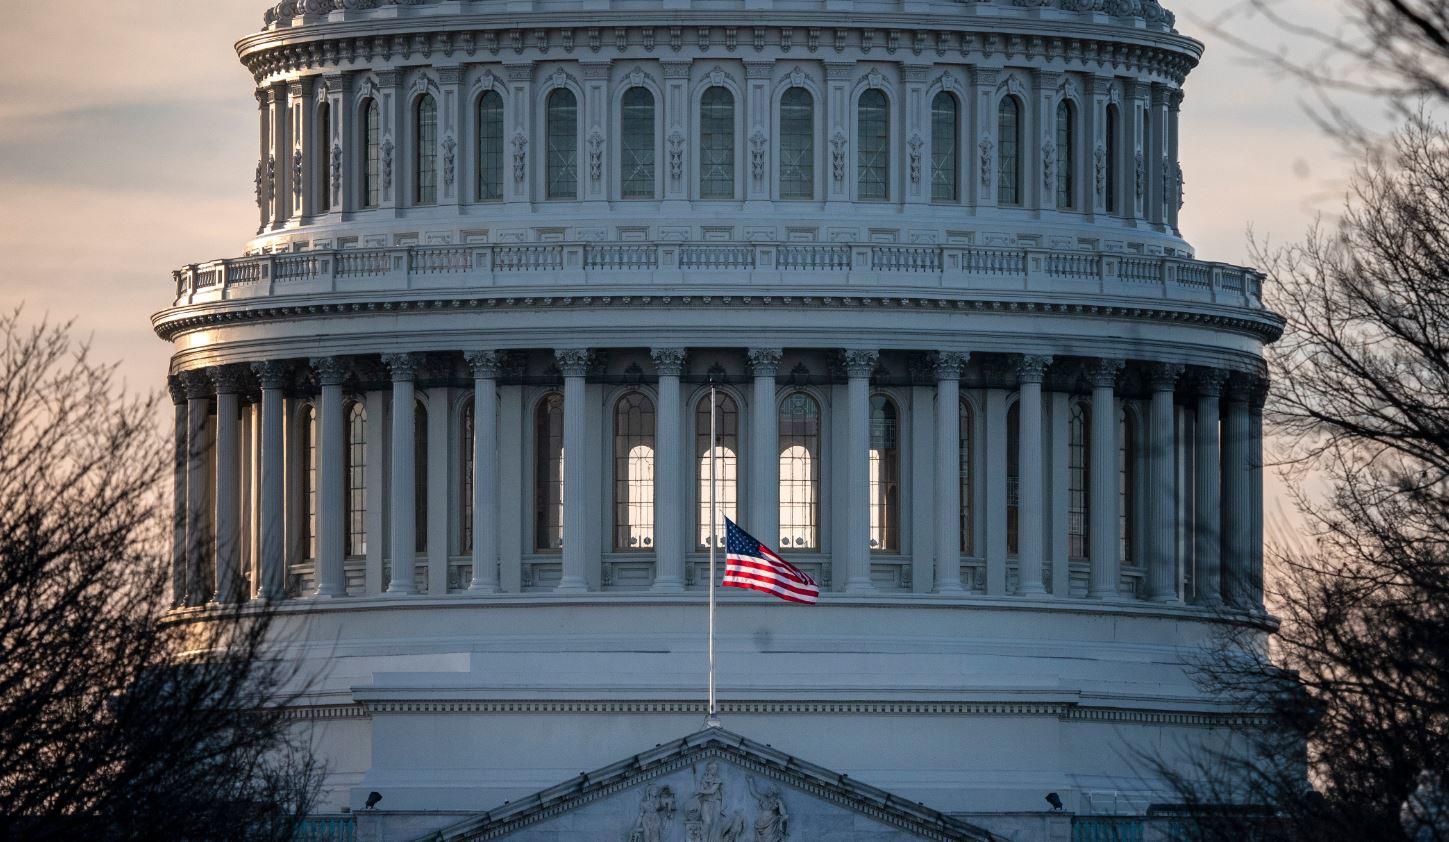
{"points": [[809, 600], [746, 576], [773, 573], [783, 568], [747, 564]]}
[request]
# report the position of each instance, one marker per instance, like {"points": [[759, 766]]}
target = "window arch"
{"points": [[465, 478], [420, 477], [1079, 455], [636, 147], [1013, 479], [356, 479], [548, 458], [945, 146], [799, 472], [966, 438], [1066, 162], [425, 155], [717, 144], [372, 156], [561, 130], [1008, 151], [490, 147], [1113, 128], [797, 144], [1127, 485], [322, 155], [634, 473], [873, 145], [727, 466], [885, 475]]}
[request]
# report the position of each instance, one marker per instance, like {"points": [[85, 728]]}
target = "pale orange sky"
{"points": [[128, 144]]}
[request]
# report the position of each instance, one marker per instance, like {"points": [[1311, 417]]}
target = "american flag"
{"points": [[751, 564]]}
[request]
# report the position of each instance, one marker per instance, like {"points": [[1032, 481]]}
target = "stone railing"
{"points": [[876, 267]]}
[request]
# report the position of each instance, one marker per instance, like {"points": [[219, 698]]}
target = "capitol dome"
{"points": [[449, 407]]}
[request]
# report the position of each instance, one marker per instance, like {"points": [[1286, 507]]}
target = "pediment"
{"points": [[713, 786]]}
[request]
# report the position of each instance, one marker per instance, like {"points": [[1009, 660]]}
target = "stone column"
{"points": [[948, 472], [1255, 492], [669, 466], [485, 365], [982, 152], [594, 113], [574, 364], [855, 553], [676, 160], [1162, 575], [1174, 181], [758, 166], [279, 156], [331, 478], [1237, 502], [264, 159], [994, 487], [1134, 110], [178, 491], [917, 131], [1208, 516], [1041, 146], [764, 497], [403, 369], [1031, 501], [1101, 91], [227, 561], [198, 501], [340, 141], [838, 112], [451, 113], [1157, 160], [1103, 527], [302, 160], [517, 126], [272, 581]]}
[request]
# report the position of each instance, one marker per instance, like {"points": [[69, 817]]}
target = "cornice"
{"points": [[175, 322], [358, 44]]}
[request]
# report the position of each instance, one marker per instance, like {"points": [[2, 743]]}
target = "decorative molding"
{"points": [[520, 157], [914, 144], [450, 148], [837, 155]]}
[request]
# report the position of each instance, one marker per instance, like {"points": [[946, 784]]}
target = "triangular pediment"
{"points": [[712, 786]]}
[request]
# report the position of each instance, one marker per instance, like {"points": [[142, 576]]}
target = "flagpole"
{"points": [[713, 720]]}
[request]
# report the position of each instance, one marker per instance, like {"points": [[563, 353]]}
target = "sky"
{"points": [[139, 158]]}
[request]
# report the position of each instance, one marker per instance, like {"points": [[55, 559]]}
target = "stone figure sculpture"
{"points": [[706, 820], [772, 823], [656, 811]]}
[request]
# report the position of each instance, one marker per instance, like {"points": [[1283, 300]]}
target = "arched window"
{"points": [[1008, 151], [420, 477], [797, 145], [548, 459], [322, 156], [873, 145], [490, 147], [1110, 153], [1127, 486], [717, 144], [465, 479], [634, 473], [726, 466], [372, 156], [1013, 479], [636, 150], [1066, 155], [425, 158], [967, 476], [945, 144], [356, 480], [1079, 466], [885, 476], [309, 482], [800, 473], [561, 118]]}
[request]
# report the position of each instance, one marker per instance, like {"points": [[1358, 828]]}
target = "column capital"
{"points": [[758, 69], [176, 388], [485, 364], [1032, 368], [1209, 382], [764, 362], [228, 378], [1239, 387], [1259, 397], [573, 362], [402, 367], [1104, 372], [197, 385], [331, 371], [271, 373], [1164, 376], [668, 362], [949, 365], [859, 362]]}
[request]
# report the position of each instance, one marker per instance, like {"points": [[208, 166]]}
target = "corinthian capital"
{"points": [[331, 371], [1103, 372], [764, 362], [859, 362], [197, 384], [573, 362], [228, 378], [485, 364], [1032, 368], [1209, 382], [668, 362], [1164, 376], [272, 374], [949, 365], [402, 367]]}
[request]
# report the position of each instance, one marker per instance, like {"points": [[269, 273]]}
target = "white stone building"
{"points": [[451, 407]]}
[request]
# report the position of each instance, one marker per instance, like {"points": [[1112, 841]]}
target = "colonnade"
{"points": [[1201, 476]]}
